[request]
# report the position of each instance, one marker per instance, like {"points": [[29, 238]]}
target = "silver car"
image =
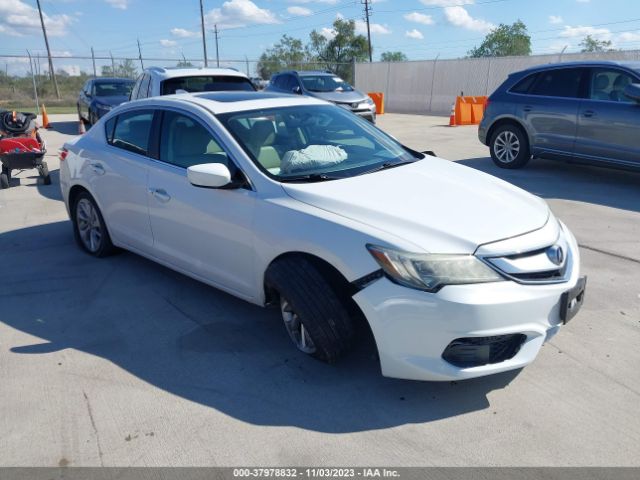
{"points": [[326, 86], [581, 111]]}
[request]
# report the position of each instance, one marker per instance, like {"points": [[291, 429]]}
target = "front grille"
{"points": [[476, 351]]}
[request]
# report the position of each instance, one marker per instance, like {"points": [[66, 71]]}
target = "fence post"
{"points": [[486, 88], [386, 87], [353, 70], [35, 90], [433, 78]]}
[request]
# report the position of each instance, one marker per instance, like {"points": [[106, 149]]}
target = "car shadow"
{"points": [[67, 128], [584, 183], [203, 345], [51, 191]]}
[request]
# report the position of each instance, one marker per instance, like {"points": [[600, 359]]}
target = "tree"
{"points": [[503, 41], [393, 57], [337, 52], [289, 52], [184, 64], [126, 68], [590, 45]]}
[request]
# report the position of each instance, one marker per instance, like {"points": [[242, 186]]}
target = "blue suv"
{"points": [[584, 111]]}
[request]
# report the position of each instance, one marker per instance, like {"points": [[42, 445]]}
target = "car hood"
{"points": [[341, 97], [436, 205], [111, 100]]}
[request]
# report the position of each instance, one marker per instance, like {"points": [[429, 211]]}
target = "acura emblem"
{"points": [[555, 254]]}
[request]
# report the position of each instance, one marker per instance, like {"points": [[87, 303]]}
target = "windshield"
{"points": [[313, 143], [115, 89], [325, 83], [206, 83]]}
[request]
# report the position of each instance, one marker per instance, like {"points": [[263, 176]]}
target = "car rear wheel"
{"points": [[4, 180], [314, 317], [509, 147], [89, 228]]}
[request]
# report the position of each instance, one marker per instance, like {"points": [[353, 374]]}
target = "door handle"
{"points": [[160, 194], [528, 108], [589, 113], [97, 168]]}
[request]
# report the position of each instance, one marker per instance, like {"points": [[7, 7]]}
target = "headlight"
{"points": [[431, 271], [102, 106], [369, 101]]}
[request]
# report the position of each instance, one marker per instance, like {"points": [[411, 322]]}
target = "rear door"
{"points": [[608, 121], [119, 178], [549, 109]]}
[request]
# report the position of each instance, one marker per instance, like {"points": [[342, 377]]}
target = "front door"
{"points": [[205, 231]]}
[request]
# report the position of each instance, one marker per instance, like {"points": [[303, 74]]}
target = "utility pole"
{"points": [[246, 59], [140, 55], [215, 30], [93, 59], [367, 12], [204, 38], [46, 42]]}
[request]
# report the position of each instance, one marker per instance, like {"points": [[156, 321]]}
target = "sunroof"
{"points": [[237, 96]]}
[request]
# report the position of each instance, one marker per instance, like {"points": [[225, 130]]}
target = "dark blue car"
{"points": [[100, 95], [586, 112]]}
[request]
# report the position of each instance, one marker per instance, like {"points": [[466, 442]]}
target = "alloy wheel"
{"points": [[506, 146], [89, 226], [296, 328]]}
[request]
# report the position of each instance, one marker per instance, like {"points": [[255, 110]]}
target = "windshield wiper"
{"points": [[386, 165], [311, 177]]}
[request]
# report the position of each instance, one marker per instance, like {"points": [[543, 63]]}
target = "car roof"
{"points": [[586, 63], [304, 73], [173, 72], [112, 79], [232, 101]]}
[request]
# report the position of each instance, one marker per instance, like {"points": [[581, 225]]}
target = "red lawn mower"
{"points": [[21, 146]]}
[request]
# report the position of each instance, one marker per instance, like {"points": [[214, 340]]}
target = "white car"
{"points": [[291, 201], [156, 81]]}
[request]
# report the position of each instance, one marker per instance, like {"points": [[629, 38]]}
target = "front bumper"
{"points": [[367, 115], [413, 328]]}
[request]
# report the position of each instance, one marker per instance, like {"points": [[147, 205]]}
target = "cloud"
{"points": [[328, 33], [168, 43], [361, 27], [419, 18], [121, 4], [583, 1], [581, 32], [446, 3], [17, 18], [328, 2], [459, 17], [238, 13], [301, 11], [629, 37], [71, 70], [182, 33], [417, 34], [555, 19]]}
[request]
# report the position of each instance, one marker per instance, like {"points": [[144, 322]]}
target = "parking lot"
{"points": [[122, 362]]}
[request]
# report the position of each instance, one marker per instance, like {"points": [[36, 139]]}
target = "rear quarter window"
{"points": [[524, 85], [560, 82]]}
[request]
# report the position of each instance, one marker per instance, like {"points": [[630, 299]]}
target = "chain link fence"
{"points": [[24, 76], [431, 86]]}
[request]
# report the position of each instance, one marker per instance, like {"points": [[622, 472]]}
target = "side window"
{"points": [[561, 82], [609, 85], [132, 131], [524, 85], [144, 86], [278, 81], [186, 142], [291, 83], [108, 129], [136, 87], [87, 87]]}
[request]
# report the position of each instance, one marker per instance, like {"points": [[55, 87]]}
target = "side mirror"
{"points": [[633, 91], [209, 175], [297, 90], [429, 152]]}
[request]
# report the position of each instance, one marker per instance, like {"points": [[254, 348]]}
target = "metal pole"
{"points": [[33, 79], [113, 65], [204, 38], [486, 88], [367, 10], [562, 52], [140, 55], [93, 59], [246, 59], [215, 29], [46, 42]]}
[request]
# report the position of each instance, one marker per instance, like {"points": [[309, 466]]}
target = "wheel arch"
{"points": [[507, 121]]}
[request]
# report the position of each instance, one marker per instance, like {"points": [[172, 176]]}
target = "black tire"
{"points": [[4, 180], [44, 173], [105, 248], [324, 317], [79, 114], [92, 119], [501, 153]]}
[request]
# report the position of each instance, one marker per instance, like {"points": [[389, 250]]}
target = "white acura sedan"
{"points": [[294, 202]]}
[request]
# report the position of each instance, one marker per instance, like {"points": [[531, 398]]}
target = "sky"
{"points": [[422, 29]]}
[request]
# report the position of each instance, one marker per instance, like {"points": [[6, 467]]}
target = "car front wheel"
{"points": [[509, 147], [89, 228], [314, 317]]}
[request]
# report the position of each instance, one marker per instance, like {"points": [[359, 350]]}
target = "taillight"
{"points": [[63, 154]]}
